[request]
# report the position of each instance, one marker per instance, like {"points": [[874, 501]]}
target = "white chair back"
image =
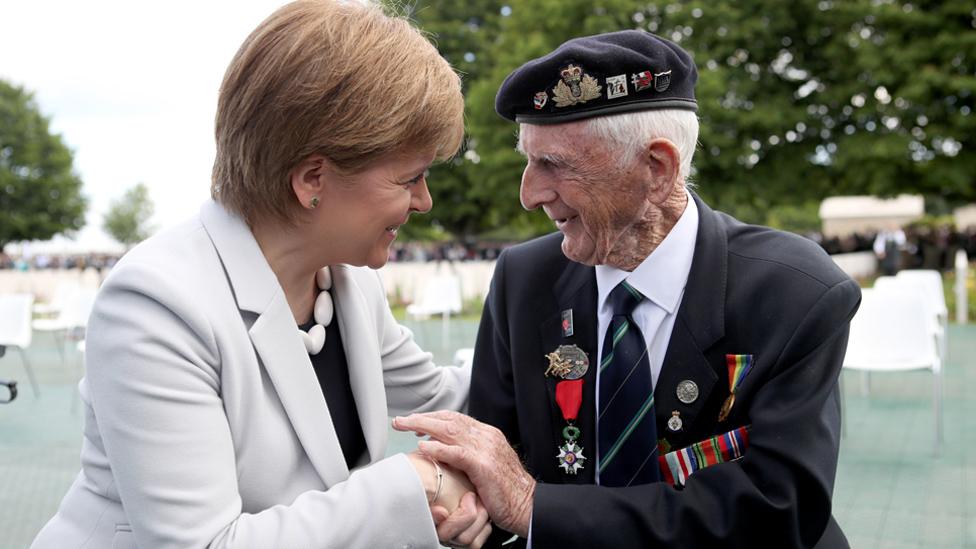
{"points": [[929, 282], [891, 331], [441, 294], [62, 294], [15, 319], [928, 285], [78, 308]]}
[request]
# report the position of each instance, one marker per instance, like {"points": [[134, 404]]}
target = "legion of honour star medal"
{"points": [[569, 396]]}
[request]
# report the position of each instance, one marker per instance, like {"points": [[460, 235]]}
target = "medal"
{"points": [[569, 396], [739, 366], [567, 362], [675, 422], [687, 391], [726, 407]]}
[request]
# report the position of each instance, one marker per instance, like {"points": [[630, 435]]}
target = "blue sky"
{"points": [[132, 87]]}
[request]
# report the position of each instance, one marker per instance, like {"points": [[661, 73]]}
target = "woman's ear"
{"points": [[308, 180], [664, 162]]}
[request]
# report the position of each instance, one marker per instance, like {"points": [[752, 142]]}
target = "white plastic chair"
{"points": [[932, 299], [15, 328], [441, 295], [929, 282], [891, 333], [61, 297], [71, 320]]}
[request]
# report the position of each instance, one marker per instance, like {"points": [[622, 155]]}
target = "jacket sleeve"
{"points": [[153, 381], [779, 492], [494, 399]]}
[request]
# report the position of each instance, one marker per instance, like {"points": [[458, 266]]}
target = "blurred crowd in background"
{"points": [[924, 246]]}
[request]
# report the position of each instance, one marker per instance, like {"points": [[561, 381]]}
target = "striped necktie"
{"points": [[628, 435]]}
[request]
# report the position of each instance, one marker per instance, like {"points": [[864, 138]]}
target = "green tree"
{"points": [[812, 98], [462, 31], [798, 100], [40, 195], [127, 219]]}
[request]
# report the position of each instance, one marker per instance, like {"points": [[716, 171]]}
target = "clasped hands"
{"points": [[464, 446]]}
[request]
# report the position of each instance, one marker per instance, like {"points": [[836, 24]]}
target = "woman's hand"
{"points": [[460, 518], [468, 526]]}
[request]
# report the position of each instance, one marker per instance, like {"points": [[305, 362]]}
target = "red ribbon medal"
{"points": [[569, 396]]}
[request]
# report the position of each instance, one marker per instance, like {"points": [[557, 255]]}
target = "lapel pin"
{"points": [[687, 391], [675, 422], [567, 323]]}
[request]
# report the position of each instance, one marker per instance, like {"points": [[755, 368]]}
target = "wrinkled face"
{"points": [[364, 212], [594, 200]]}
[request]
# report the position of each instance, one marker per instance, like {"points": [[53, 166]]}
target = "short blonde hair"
{"points": [[338, 78]]}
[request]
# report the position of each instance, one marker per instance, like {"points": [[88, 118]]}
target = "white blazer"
{"points": [[205, 425]]}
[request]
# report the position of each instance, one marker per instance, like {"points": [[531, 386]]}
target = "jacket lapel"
{"points": [[276, 340], [574, 290], [363, 355], [700, 323]]}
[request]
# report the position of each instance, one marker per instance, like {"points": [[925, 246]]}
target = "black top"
{"points": [[332, 371]]}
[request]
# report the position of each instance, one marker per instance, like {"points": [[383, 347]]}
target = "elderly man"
{"points": [[666, 374]]}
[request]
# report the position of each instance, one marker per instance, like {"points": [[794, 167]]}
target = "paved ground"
{"points": [[891, 492]]}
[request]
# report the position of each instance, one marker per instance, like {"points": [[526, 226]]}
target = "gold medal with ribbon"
{"points": [[739, 367]]}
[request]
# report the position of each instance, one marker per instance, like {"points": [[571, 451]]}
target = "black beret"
{"points": [[609, 73]]}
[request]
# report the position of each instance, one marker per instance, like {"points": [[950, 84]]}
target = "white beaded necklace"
{"points": [[324, 309]]}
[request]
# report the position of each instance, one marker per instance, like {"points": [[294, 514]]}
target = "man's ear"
{"points": [[664, 163], [308, 180]]}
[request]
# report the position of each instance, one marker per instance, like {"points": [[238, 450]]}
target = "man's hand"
{"points": [[482, 452]]}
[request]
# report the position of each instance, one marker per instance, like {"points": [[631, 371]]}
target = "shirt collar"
{"points": [[662, 276]]}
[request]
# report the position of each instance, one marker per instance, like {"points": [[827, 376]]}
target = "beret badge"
{"points": [[574, 87], [662, 81], [540, 100]]}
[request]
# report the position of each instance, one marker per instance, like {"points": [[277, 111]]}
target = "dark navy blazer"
{"points": [[751, 290]]}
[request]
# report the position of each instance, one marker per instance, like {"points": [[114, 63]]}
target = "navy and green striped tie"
{"points": [[628, 435]]}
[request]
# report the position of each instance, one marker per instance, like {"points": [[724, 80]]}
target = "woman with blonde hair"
{"points": [[242, 366]]}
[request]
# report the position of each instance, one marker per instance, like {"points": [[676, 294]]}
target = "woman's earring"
{"points": [[313, 203]]}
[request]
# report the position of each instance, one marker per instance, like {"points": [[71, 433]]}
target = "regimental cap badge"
{"points": [[574, 86]]}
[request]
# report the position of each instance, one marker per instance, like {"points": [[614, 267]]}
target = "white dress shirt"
{"points": [[661, 278]]}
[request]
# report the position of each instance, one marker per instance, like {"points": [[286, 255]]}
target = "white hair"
{"points": [[630, 132]]}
